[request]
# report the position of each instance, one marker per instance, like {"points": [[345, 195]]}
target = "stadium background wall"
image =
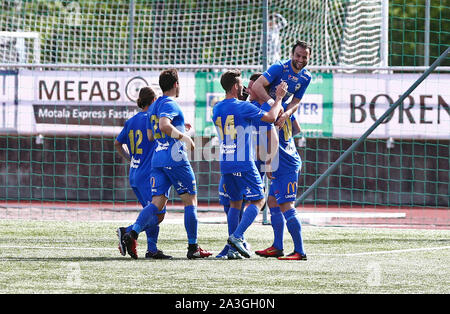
{"points": [[86, 169]]}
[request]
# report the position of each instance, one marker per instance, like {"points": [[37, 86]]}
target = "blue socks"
{"points": [[247, 219], [148, 221], [152, 238], [277, 221], [146, 217], [191, 223], [294, 227], [226, 208], [233, 218]]}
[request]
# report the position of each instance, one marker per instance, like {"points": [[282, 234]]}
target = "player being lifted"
{"points": [[291, 71], [283, 188], [140, 152], [233, 120], [170, 166]]}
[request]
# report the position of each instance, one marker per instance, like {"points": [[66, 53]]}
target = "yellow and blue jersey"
{"points": [[288, 158], [233, 119], [134, 136], [168, 152]]}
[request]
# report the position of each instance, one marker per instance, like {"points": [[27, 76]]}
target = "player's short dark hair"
{"points": [[146, 97], [255, 76], [303, 44], [167, 79], [229, 78]]}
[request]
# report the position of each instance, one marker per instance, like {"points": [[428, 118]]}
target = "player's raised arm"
{"points": [[259, 88], [291, 108], [272, 115], [165, 125]]}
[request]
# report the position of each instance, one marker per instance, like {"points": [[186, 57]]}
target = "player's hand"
{"points": [[189, 142], [281, 90], [281, 121], [279, 115]]}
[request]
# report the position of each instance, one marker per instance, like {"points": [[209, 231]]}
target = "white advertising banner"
{"points": [[88, 102], [360, 99]]}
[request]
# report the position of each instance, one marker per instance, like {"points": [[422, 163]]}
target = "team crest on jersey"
{"points": [[292, 78]]}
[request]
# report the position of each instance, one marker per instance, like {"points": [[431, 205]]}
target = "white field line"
{"points": [[386, 252], [302, 215], [306, 216], [318, 254]]}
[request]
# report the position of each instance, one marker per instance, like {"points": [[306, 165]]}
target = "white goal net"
{"points": [[195, 32]]}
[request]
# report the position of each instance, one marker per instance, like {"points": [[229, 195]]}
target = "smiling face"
{"points": [[300, 58]]}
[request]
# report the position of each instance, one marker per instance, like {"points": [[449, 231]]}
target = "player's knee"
{"points": [[236, 204], [161, 217], [272, 202], [159, 201], [189, 199], [286, 206], [258, 203]]}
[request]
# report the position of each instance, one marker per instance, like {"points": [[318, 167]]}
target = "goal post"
{"points": [[20, 47]]}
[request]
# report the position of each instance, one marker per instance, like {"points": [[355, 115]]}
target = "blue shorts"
{"points": [[284, 187], [143, 192], [140, 183], [240, 185], [181, 177], [224, 198]]}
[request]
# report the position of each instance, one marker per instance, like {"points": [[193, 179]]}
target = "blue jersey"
{"points": [[288, 157], [261, 129], [259, 124], [282, 71], [169, 152], [134, 135], [233, 120]]}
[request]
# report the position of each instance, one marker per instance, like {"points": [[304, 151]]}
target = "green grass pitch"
{"points": [[82, 257]]}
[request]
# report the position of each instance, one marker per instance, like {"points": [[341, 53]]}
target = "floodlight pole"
{"points": [[372, 128]]}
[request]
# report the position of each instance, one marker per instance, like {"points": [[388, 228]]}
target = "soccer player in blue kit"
{"points": [[291, 71], [233, 120], [265, 132], [170, 166], [283, 188], [139, 154]]}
